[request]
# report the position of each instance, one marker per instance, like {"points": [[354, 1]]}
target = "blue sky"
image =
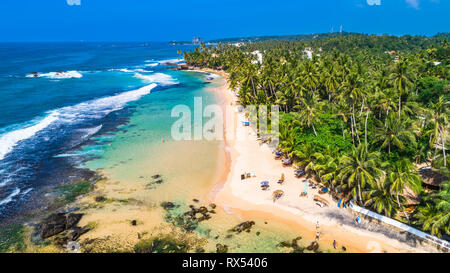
{"points": [[148, 20]]}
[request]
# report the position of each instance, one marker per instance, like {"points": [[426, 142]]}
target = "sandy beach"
{"points": [[245, 197]]}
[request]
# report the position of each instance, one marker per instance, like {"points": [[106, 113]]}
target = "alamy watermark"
{"points": [[208, 123]]}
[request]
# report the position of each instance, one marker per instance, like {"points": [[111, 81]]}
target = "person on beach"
{"points": [[317, 236], [317, 225], [334, 244]]}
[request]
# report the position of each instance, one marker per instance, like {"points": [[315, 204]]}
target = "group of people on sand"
{"points": [[318, 236]]}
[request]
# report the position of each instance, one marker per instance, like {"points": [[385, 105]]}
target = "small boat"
{"points": [[287, 161], [278, 154], [299, 173]]}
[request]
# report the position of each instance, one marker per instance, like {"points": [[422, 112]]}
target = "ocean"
{"points": [[57, 96]]}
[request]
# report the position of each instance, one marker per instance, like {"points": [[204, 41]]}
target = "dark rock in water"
{"points": [[57, 223], [203, 209], [168, 205], [160, 181], [221, 248], [212, 211], [229, 236], [100, 199], [244, 226], [133, 222], [195, 200], [293, 244], [258, 233], [212, 205], [156, 176]]}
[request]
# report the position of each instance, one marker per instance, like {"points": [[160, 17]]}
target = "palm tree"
{"points": [[359, 168], [380, 198], [403, 174], [402, 79], [394, 132], [309, 110], [434, 216], [438, 116]]}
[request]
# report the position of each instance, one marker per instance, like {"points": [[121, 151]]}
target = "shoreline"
{"points": [[244, 198]]}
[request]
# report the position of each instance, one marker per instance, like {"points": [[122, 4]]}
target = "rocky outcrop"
{"points": [[244, 226], [59, 222]]}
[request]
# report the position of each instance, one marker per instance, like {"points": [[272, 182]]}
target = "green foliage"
{"points": [[328, 135], [12, 238], [430, 89], [71, 191]]}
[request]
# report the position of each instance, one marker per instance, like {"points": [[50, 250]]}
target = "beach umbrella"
{"points": [[264, 183]]}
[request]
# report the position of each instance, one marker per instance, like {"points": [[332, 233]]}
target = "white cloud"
{"points": [[74, 2], [374, 2], [413, 3]]}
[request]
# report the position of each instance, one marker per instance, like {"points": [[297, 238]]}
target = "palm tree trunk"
{"points": [[400, 207], [354, 123], [399, 105], [443, 148], [314, 129], [359, 193], [365, 128], [351, 126]]}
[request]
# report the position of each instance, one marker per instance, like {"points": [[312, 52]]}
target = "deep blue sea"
{"points": [[56, 97]]}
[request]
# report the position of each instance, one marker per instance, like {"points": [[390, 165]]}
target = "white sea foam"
{"points": [[93, 109], [156, 63], [126, 70], [57, 75], [10, 197], [10, 139], [160, 78]]}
